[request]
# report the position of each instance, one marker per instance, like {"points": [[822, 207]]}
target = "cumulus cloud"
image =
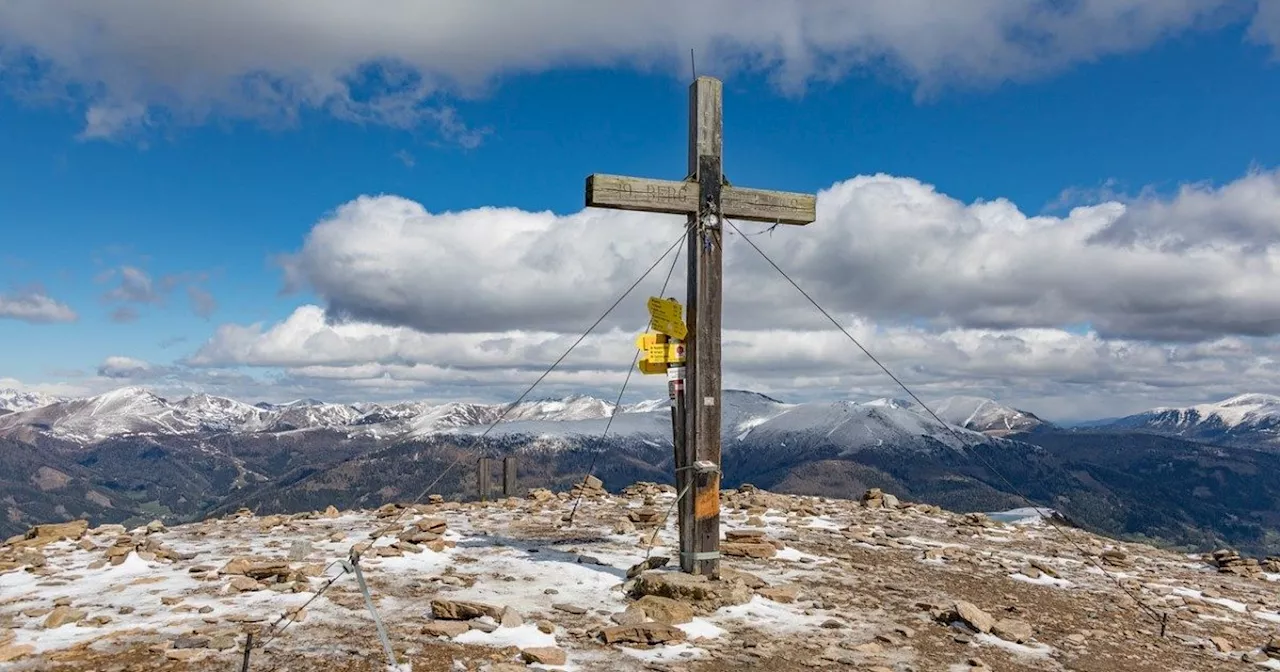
{"points": [[145, 62], [1112, 307], [35, 307], [135, 286], [1198, 265], [1051, 371], [171, 382], [177, 380], [386, 259], [125, 367]]}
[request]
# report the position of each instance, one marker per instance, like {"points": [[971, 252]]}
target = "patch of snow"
{"points": [[1022, 516], [794, 555], [768, 616], [1027, 650], [670, 653], [1043, 580], [1233, 605], [824, 523], [701, 628], [525, 636]]}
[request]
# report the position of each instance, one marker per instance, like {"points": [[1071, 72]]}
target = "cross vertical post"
{"points": [[700, 510], [706, 200]]}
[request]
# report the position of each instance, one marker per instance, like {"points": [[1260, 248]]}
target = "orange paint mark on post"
{"points": [[707, 502]]}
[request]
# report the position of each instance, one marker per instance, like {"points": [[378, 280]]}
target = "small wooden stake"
{"points": [[509, 476], [248, 646], [483, 478]]}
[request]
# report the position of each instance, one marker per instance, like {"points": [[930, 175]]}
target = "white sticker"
{"points": [[708, 401]]}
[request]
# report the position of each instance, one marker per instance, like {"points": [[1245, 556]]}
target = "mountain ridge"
{"points": [[1249, 420], [135, 410]]}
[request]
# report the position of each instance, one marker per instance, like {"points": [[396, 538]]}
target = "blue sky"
{"points": [[211, 200]]}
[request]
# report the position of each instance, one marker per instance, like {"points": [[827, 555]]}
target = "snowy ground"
{"points": [[858, 578]]}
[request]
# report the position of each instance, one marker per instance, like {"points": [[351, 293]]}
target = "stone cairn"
{"points": [[1229, 561]]}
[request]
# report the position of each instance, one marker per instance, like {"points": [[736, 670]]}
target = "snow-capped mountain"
{"points": [[745, 416], [860, 426], [650, 420], [752, 420], [220, 414], [128, 410], [12, 401], [460, 416], [985, 415], [1242, 419], [311, 416], [135, 410]]}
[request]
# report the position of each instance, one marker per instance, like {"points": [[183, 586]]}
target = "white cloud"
{"points": [[36, 307], [135, 286], [140, 62], [1199, 265], [1051, 371], [125, 367], [1266, 25], [974, 298], [386, 259]]}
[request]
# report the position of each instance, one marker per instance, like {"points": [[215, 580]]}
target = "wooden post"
{"points": [[701, 553], [482, 478], [509, 476]]}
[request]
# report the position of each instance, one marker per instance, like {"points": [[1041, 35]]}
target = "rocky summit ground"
{"points": [[807, 583]]}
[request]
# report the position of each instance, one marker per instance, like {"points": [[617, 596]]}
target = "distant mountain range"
{"points": [[1197, 477], [13, 400], [1246, 420], [136, 411]]}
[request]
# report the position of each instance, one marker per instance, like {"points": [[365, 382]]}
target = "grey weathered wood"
{"points": [[638, 193], [509, 476], [763, 205], [702, 398], [482, 478], [681, 197]]}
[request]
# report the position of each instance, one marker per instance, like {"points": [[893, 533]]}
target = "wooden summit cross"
{"points": [[707, 199]]}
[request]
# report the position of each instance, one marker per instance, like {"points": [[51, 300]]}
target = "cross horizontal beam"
{"points": [[681, 198]]}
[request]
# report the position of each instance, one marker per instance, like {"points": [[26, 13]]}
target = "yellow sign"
{"points": [[650, 368], [667, 316], [648, 339], [658, 352]]}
